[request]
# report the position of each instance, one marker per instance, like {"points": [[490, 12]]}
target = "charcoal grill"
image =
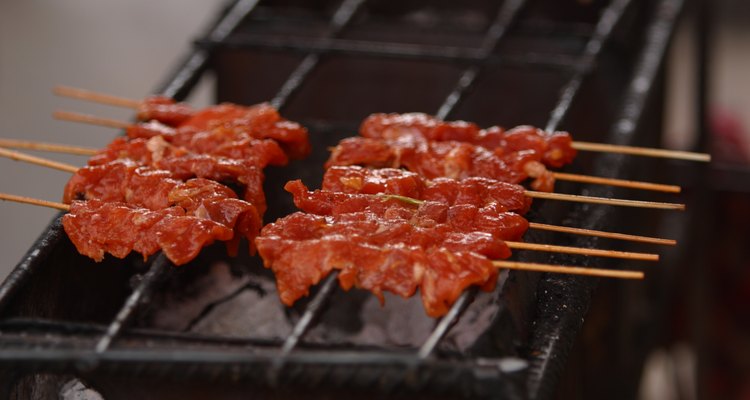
{"points": [[593, 68]]}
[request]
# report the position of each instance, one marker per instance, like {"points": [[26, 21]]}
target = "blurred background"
{"points": [[123, 48], [126, 48]]}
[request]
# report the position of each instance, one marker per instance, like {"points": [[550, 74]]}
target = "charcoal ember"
{"points": [[220, 301], [255, 312], [77, 390], [398, 322]]}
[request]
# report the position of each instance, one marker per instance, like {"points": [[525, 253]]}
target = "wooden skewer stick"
{"points": [[513, 245], [561, 269], [588, 232], [558, 228], [95, 97], [87, 151], [18, 156], [68, 116], [111, 123], [608, 235], [616, 182], [602, 200], [103, 98], [583, 251], [564, 269], [36, 202], [642, 151], [52, 147], [90, 119]]}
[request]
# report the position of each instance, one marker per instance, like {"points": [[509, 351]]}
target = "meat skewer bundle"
{"points": [[161, 190], [389, 230], [381, 230]]}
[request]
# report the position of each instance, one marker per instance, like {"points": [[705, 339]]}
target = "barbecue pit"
{"points": [[216, 328]]}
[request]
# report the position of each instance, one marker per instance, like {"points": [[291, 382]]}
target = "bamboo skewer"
{"points": [[564, 269], [51, 147], [112, 123], [642, 151], [582, 251], [603, 234], [33, 201], [533, 225], [103, 98], [612, 235], [601, 200], [513, 245], [562, 176], [96, 97], [516, 265], [18, 156], [90, 119]]}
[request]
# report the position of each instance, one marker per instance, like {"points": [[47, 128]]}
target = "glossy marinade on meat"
{"points": [[554, 149], [449, 159], [385, 242], [97, 227], [439, 274], [491, 218], [260, 121], [475, 190], [124, 181], [182, 164]]}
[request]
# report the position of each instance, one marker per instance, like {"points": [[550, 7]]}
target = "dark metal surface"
{"points": [[189, 71], [564, 301], [503, 22]]}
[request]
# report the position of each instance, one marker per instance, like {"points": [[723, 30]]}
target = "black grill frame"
{"points": [[284, 364]]}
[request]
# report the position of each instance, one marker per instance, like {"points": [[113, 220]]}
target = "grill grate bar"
{"points": [[300, 328], [604, 27], [603, 31], [339, 21], [178, 86], [186, 76], [352, 48], [444, 325], [156, 270], [549, 355], [505, 18]]}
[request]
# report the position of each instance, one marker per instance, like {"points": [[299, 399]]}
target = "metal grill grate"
{"points": [[277, 363]]}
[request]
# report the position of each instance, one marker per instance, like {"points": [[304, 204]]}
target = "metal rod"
{"points": [[445, 324], [505, 18], [178, 86], [549, 355], [189, 71], [603, 31], [303, 324], [340, 19], [348, 47], [125, 315]]}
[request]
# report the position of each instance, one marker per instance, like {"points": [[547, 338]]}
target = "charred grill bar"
{"points": [[41, 337]]}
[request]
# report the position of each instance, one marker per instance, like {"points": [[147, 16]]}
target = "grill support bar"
{"points": [[188, 74], [185, 77], [610, 17], [182, 81], [340, 20], [348, 47], [500, 26], [607, 23], [141, 292], [551, 341]]}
